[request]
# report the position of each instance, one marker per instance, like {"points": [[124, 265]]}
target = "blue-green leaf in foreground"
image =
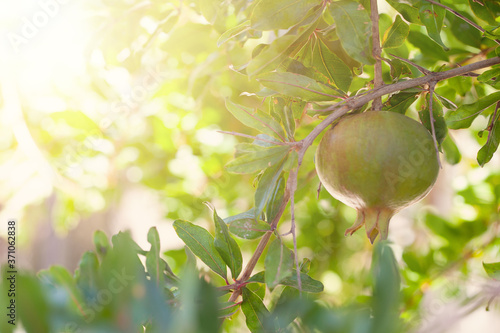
{"points": [[492, 269], [258, 160], [255, 311], [465, 114], [486, 152], [157, 266], [299, 86], [278, 263], [279, 14], [354, 29], [227, 247], [201, 243], [396, 35], [432, 17]]}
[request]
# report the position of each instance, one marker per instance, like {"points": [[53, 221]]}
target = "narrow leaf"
{"points": [[248, 228], [86, 275], [278, 263], [101, 243], [299, 86], [227, 247], [432, 17], [308, 283], [451, 152], [258, 160], [255, 311], [256, 119], [279, 14], [491, 77], [400, 102], [354, 29], [233, 32], [486, 10], [397, 33], [465, 114], [275, 199], [267, 184], [440, 127], [486, 152], [201, 243]]}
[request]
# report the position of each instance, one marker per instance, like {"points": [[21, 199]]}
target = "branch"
{"points": [[376, 52], [432, 85], [341, 109], [457, 14]]}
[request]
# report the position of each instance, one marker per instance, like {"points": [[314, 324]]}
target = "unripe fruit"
{"points": [[378, 162]]}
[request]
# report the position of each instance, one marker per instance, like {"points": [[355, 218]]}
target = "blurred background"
{"points": [[109, 120]]}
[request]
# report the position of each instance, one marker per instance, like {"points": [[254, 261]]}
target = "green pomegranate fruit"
{"points": [[379, 163]]}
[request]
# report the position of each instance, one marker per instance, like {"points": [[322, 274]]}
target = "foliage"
{"points": [[267, 71]]}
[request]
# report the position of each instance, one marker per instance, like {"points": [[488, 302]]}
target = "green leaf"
{"points": [[427, 46], [486, 10], [299, 86], [409, 12], [285, 112], [86, 275], [401, 101], [354, 29], [248, 228], [396, 35], [491, 77], [308, 283], [156, 266], [101, 243], [399, 68], [278, 263], [279, 14], [61, 280], [432, 17], [201, 243], [256, 119], [275, 199], [386, 294], [233, 32], [492, 269], [451, 152], [465, 114], [486, 152], [258, 160], [33, 307], [227, 247], [463, 31], [327, 62], [267, 184], [440, 127], [255, 311]]}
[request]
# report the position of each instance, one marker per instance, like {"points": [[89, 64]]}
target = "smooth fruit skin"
{"points": [[378, 162]]}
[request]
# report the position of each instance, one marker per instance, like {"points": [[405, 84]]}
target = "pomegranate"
{"points": [[377, 162]]}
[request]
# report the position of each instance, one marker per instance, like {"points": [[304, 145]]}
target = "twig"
{"points": [[493, 120], [432, 85], [376, 52], [259, 139], [457, 14]]}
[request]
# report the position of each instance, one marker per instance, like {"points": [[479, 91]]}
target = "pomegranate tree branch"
{"points": [[340, 109], [376, 53], [457, 14], [432, 86]]}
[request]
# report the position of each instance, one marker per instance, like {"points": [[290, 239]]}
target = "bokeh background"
{"points": [[109, 120]]}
